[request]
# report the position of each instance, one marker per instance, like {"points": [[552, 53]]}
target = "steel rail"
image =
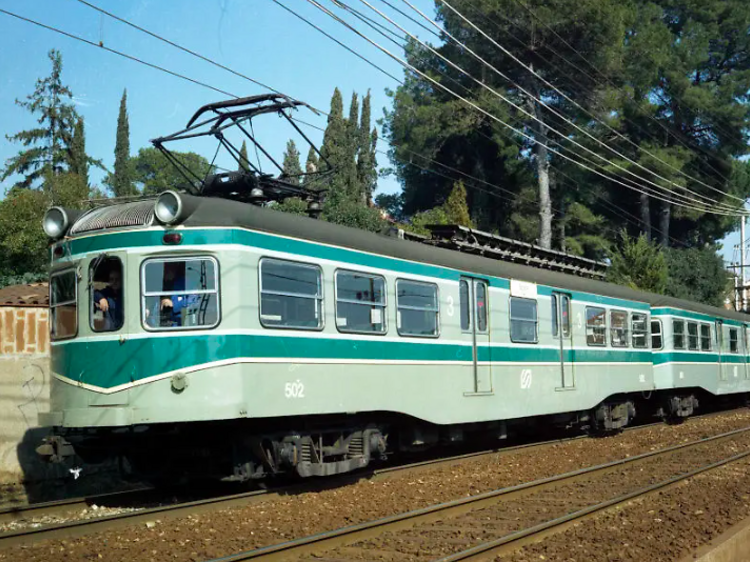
{"points": [[326, 541], [83, 526]]}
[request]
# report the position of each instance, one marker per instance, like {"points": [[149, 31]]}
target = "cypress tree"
{"points": [[311, 165], [122, 181], [366, 161], [334, 138], [292, 169], [78, 160], [243, 158]]}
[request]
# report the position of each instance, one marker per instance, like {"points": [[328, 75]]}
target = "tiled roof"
{"points": [[32, 294]]}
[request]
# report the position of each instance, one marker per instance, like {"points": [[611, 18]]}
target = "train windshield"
{"points": [[64, 304], [107, 306]]}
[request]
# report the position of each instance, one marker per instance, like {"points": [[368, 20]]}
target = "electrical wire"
{"points": [[688, 201], [569, 99], [490, 115]]}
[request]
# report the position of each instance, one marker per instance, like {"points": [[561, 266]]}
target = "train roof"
{"points": [[214, 212]]}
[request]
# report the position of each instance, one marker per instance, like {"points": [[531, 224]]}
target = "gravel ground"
{"points": [[662, 527], [223, 532]]}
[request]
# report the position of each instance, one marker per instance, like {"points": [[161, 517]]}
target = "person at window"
{"points": [[109, 301], [173, 307]]}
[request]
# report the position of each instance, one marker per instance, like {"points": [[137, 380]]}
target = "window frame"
{"points": [[536, 320], [734, 331], [383, 306], [605, 327], [625, 338], [475, 305], [702, 338], [556, 300], [122, 292], [697, 337], [321, 324], [646, 332], [74, 271], [144, 294], [407, 307], [660, 333], [682, 334], [469, 329]]}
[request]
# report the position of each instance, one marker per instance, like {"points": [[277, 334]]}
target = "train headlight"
{"points": [[168, 207], [55, 222]]}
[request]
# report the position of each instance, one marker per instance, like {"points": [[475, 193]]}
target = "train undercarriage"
{"points": [[241, 450]]}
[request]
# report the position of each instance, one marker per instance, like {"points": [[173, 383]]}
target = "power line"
{"points": [[568, 98], [549, 84], [689, 201], [119, 53], [485, 112]]}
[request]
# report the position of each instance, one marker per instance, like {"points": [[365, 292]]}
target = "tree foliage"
{"points": [[291, 166], [122, 181], [697, 274], [153, 173], [640, 264]]}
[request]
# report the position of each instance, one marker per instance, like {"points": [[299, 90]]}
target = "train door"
{"points": [[563, 337], [720, 349], [746, 349], [475, 321]]}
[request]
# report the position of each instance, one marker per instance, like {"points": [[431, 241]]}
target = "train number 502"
{"points": [[294, 389]]}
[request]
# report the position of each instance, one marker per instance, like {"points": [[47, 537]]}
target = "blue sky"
{"points": [[255, 37]]}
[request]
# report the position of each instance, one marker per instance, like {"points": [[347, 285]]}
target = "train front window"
{"points": [[105, 287], [180, 293], [63, 304], [291, 295]]}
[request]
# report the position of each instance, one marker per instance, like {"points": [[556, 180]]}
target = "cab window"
{"points": [[180, 293], [107, 313], [63, 304]]}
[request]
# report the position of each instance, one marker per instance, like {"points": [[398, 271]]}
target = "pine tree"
{"points": [[243, 158], [44, 155], [122, 181], [291, 166], [456, 206]]}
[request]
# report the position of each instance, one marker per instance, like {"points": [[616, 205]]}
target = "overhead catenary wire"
{"points": [[569, 99], [687, 200], [492, 116]]}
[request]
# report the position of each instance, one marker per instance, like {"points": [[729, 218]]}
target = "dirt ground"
{"points": [[224, 532]]}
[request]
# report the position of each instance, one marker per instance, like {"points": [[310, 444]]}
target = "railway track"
{"points": [[497, 522], [130, 511]]}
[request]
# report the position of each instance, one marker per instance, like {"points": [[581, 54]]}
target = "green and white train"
{"points": [[238, 342]]}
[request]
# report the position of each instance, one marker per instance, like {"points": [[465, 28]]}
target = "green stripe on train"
{"points": [[110, 363]]}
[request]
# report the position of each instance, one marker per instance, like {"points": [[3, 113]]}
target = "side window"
{"points": [[596, 326], [63, 304], [463, 289], [733, 341], [523, 320], [291, 295], [417, 308], [180, 293], [555, 327], [705, 337], [360, 302], [481, 304], [564, 302], [618, 327], [678, 331], [107, 312], [657, 341], [639, 326], [692, 336]]}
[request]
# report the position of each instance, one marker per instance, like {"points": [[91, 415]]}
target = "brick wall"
{"points": [[24, 330]]}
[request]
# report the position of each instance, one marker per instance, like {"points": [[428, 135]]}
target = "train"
{"points": [[203, 337]]}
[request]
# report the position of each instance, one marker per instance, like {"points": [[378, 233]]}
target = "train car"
{"points": [[200, 336]]}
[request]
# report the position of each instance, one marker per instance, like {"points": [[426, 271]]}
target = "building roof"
{"points": [[31, 294]]}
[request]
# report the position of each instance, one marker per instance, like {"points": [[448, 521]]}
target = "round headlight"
{"points": [[168, 207], [55, 222]]}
